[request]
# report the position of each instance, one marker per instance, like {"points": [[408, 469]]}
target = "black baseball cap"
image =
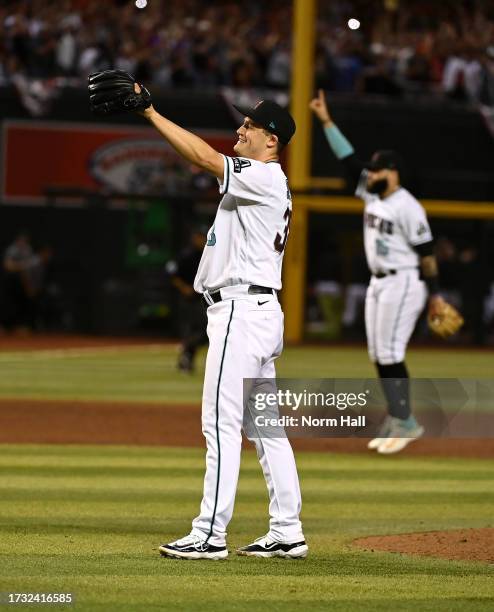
{"points": [[381, 160], [272, 117]]}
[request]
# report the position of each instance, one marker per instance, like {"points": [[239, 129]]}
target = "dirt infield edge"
{"points": [[455, 545], [91, 422]]}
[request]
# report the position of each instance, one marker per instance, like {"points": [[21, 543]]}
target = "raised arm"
{"points": [[192, 148], [338, 143]]}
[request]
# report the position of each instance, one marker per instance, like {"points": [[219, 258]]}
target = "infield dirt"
{"points": [[90, 422], [458, 545]]}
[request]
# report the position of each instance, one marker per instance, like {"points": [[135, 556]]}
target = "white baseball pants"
{"points": [[392, 306], [245, 337]]}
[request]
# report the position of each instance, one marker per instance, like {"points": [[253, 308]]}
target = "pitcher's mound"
{"points": [[461, 544]]}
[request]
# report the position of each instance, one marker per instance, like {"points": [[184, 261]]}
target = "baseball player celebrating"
{"points": [[399, 251], [238, 275]]}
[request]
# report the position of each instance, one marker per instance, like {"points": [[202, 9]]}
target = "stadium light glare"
{"points": [[353, 24]]}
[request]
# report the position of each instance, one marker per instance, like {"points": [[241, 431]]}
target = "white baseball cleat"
{"points": [[399, 437], [192, 547], [266, 547], [382, 435]]}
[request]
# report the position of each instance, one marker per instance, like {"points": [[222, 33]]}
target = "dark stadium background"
{"points": [[111, 242]]}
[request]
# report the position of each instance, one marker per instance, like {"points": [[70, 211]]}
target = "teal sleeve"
{"points": [[340, 146]]}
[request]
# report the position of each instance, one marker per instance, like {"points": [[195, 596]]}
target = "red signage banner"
{"points": [[41, 155]]}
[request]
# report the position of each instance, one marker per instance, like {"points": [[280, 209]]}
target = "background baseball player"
{"points": [[239, 274], [191, 314], [399, 251]]}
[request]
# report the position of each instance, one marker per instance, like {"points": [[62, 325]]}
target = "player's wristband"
{"points": [[340, 146], [432, 283]]}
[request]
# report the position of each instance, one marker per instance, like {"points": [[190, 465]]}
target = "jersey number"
{"points": [[279, 242], [381, 247], [211, 238]]}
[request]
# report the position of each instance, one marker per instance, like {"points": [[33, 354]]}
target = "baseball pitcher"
{"points": [[239, 275], [399, 250]]}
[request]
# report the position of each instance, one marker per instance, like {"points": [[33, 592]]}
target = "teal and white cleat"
{"points": [[401, 434], [382, 435]]}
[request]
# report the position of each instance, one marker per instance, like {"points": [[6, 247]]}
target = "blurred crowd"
{"points": [[444, 48], [401, 46]]}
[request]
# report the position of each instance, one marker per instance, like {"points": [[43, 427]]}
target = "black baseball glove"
{"points": [[112, 92]]}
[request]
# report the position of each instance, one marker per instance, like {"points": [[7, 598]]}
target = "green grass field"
{"points": [[88, 520], [149, 373]]}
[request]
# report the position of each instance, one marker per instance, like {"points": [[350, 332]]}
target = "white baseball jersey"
{"points": [[245, 247], [392, 228], [246, 242]]}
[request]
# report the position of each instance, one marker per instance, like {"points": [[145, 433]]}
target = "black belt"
{"points": [[253, 290], [383, 274]]}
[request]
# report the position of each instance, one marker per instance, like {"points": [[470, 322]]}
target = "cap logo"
{"points": [[272, 125]]}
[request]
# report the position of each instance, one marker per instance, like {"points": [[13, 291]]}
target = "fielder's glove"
{"points": [[112, 92], [444, 320]]}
